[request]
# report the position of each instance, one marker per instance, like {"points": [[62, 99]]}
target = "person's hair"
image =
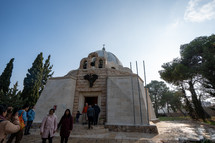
{"points": [[25, 106], [52, 110], [9, 110], [69, 115], [15, 110], [3, 108]]}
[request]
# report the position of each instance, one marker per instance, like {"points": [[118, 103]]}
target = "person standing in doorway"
{"points": [[65, 125], [48, 126], [96, 116], [30, 115], [90, 115], [84, 113]]}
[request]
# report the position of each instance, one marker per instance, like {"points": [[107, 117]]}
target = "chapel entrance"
{"points": [[91, 100]]}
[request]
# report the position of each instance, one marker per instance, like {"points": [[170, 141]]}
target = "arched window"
{"points": [[93, 61], [100, 63], [85, 65]]}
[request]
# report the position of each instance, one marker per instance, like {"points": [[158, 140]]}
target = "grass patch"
{"points": [[210, 122], [182, 118]]}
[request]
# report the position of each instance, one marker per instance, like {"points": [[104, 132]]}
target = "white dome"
{"points": [[110, 57]]}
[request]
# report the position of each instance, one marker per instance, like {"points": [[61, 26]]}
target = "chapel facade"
{"points": [[100, 79]]}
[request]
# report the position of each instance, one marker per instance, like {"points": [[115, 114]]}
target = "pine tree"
{"points": [[47, 73], [32, 81], [5, 77], [12, 97]]}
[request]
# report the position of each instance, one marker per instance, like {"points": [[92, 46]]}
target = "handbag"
{"points": [[21, 121]]}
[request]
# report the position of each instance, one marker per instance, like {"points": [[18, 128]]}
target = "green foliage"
{"points": [[12, 97], [5, 77], [32, 81], [36, 79], [172, 99], [47, 73], [199, 55], [157, 89], [174, 118], [195, 68]]}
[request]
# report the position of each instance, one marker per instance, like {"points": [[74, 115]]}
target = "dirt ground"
{"points": [[169, 132], [185, 130]]}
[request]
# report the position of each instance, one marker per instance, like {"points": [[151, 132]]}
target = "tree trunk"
{"points": [[191, 111], [156, 106], [197, 104], [181, 111], [164, 112]]}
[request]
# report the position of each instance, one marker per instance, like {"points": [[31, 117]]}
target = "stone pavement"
{"points": [[169, 131]]}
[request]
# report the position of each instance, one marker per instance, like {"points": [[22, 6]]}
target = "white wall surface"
{"points": [[58, 91]]}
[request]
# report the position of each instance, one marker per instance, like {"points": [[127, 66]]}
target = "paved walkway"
{"points": [[169, 131]]}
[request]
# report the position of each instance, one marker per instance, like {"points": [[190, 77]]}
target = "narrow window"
{"points": [[85, 65], [93, 61], [100, 63]]}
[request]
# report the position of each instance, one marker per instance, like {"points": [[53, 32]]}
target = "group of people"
{"points": [[90, 113], [49, 126], [12, 121]]}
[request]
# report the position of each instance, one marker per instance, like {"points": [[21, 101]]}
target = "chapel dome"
{"points": [[110, 57], [100, 59]]}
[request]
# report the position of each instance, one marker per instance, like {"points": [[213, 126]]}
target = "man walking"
{"points": [[90, 115], [96, 116]]}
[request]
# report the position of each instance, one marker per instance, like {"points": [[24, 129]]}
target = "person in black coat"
{"points": [[66, 126], [90, 115], [96, 115]]}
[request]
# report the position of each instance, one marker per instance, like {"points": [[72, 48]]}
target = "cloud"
{"points": [[200, 10]]}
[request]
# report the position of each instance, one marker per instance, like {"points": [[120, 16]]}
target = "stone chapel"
{"points": [[101, 79]]}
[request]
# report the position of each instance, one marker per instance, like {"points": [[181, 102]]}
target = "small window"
{"points": [[100, 63], [93, 61], [85, 65], [92, 64]]}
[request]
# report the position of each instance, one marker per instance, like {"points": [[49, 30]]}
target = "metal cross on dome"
{"points": [[103, 47]]}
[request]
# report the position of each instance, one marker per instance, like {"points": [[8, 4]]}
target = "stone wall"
{"points": [[59, 92], [126, 104], [99, 89], [83, 90]]}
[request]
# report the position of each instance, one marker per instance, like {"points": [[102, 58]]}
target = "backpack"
{"points": [[21, 121]]}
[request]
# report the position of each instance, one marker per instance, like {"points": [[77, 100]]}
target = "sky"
{"points": [[68, 30]]}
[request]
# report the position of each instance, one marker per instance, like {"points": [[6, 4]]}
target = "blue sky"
{"points": [[134, 30]]}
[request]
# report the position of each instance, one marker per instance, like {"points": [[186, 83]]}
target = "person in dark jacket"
{"points": [[65, 125], [90, 115], [96, 116], [31, 116], [77, 116]]}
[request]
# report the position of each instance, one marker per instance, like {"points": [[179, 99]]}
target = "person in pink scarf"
{"points": [[48, 127]]}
